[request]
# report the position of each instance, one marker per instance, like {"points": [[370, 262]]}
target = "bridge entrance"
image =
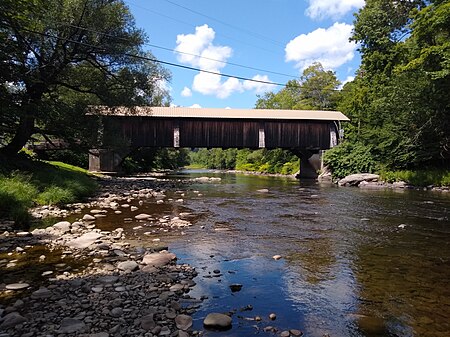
{"points": [[304, 132]]}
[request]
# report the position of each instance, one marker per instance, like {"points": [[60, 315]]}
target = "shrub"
{"points": [[348, 158], [419, 177]]}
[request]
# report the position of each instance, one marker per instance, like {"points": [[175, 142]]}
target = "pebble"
{"points": [[295, 332], [272, 316], [17, 286], [277, 257]]}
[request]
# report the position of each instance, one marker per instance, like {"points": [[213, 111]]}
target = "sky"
{"points": [[266, 40]]}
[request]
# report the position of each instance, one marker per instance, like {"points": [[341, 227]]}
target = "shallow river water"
{"points": [[355, 262]]}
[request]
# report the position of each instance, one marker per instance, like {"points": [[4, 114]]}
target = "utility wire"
{"points": [[156, 60], [179, 52], [190, 25], [257, 35]]}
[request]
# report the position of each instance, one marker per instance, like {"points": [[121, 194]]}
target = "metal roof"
{"points": [[218, 113]]}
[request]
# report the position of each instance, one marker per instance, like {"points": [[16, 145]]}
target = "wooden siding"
{"points": [[294, 134], [143, 131], [137, 131], [218, 133]]}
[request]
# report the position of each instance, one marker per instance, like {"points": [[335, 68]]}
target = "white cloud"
{"points": [[319, 9], [212, 58], [330, 46], [195, 106], [348, 79], [186, 92], [211, 84], [259, 87]]}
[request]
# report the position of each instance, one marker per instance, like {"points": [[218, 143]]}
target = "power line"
{"points": [[157, 61], [180, 52], [257, 35], [190, 25]]}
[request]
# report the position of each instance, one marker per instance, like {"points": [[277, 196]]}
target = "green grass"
{"points": [[419, 177], [195, 167], [25, 182]]}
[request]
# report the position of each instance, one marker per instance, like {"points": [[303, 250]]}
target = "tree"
{"points": [[316, 90], [59, 56], [399, 103]]}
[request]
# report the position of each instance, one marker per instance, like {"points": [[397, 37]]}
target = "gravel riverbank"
{"points": [[99, 283]]}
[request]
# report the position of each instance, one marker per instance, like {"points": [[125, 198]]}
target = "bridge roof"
{"points": [[181, 112]]}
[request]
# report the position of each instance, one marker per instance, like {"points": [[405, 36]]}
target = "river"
{"points": [[354, 262]]}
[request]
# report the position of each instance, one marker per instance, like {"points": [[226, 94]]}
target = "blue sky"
{"points": [[277, 38]]}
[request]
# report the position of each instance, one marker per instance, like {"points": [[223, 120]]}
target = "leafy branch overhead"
{"points": [[60, 56]]}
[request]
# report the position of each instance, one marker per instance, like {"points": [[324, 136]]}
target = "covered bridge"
{"points": [[305, 132]]}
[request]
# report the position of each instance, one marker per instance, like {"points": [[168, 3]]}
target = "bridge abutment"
{"points": [[106, 160]]}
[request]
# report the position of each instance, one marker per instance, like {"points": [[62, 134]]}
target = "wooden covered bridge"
{"points": [[304, 132]]}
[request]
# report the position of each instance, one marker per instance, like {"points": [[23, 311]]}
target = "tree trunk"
{"points": [[24, 131]]}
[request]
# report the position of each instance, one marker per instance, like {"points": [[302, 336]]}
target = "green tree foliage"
{"points": [[263, 160], [316, 90], [147, 159], [348, 158], [399, 102], [59, 56]]}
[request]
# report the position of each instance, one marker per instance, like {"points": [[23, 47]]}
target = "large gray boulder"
{"points": [[158, 259], [84, 241], [217, 321], [356, 179]]}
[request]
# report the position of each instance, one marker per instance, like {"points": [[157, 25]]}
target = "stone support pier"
{"points": [[106, 160]]}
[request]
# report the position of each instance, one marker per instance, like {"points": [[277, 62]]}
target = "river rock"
{"points": [[277, 257], [88, 217], [17, 286], [41, 293], [296, 333], [235, 287], [142, 216], [356, 179], [11, 320], [117, 312], [158, 259], [147, 322], [71, 325], [84, 241], [183, 322], [217, 321], [128, 265], [62, 226], [108, 279], [176, 287]]}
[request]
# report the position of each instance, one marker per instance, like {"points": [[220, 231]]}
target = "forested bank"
{"points": [[263, 160], [399, 102]]}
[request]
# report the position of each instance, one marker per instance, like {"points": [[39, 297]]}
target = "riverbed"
{"points": [[354, 262]]}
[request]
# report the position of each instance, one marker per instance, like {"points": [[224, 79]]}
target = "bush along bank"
{"points": [[25, 183], [353, 163]]}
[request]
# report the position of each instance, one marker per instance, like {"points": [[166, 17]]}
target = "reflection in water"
{"points": [[349, 269]]}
